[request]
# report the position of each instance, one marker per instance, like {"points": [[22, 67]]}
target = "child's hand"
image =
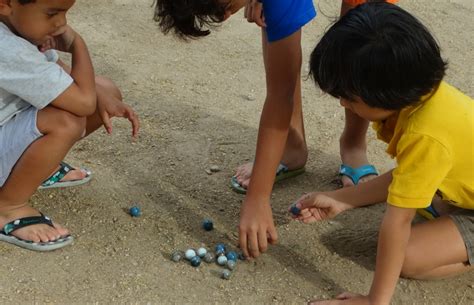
{"points": [[256, 227], [254, 12], [110, 107], [61, 40], [318, 206]]}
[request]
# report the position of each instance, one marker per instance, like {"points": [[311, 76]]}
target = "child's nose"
{"points": [[61, 22]]}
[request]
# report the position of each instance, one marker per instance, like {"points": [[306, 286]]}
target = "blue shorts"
{"points": [[285, 17]]}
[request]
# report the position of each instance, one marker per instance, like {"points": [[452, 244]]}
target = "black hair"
{"points": [[380, 53], [189, 18]]}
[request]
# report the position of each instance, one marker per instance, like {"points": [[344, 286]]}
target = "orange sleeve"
{"points": [[357, 2]]}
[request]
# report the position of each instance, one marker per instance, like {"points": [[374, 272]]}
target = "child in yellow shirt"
{"points": [[386, 67]]}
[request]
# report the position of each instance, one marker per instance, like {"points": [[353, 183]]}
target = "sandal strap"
{"points": [[25, 222], [64, 168]]}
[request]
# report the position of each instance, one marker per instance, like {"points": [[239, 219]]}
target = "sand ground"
{"points": [[199, 103]]}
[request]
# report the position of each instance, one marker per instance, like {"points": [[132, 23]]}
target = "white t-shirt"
{"points": [[27, 76]]}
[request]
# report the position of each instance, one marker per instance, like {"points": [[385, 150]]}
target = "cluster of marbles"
{"points": [[226, 259]]}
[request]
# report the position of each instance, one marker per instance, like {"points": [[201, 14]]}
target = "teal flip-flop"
{"points": [[54, 181], [282, 173], [355, 174]]}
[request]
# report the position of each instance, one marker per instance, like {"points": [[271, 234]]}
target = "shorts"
{"points": [[357, 2], [15, 137], [464, 220]]}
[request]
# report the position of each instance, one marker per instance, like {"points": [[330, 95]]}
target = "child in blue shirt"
{"points": [[281, 144]]}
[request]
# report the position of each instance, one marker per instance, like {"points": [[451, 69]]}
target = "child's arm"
{"points": [[79, 98], [283, 62], [317, 206], [393, 240]]}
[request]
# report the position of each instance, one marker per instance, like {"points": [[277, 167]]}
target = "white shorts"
{"points": [[15, 137]]}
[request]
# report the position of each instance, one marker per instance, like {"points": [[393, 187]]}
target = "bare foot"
{"points": [[35, 233], [243, 174], [354, 157]]}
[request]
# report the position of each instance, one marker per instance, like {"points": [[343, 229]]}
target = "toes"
{"points": [[41, 233], [60, 230]]}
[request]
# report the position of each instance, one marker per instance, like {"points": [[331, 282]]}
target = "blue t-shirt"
{"points": [[285, 17]]}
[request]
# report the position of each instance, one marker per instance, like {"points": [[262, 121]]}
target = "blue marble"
{"points": [[232, 256], [207, 225], [135, 211], [195, 261], [295, 210], [220, 249]]}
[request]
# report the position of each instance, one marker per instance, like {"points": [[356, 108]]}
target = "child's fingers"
{"points": [[106, 121], [133, 118], [243, 242], [272, 235], [258, 15], [347, 295], [252, 244]]}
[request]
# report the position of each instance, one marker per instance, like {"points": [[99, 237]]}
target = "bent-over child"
{"points": [[386, 67]]}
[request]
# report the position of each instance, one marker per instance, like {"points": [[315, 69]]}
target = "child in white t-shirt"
{"points": [[45, 108]]}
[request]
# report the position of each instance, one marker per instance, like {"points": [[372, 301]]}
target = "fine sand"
{"points": [[199, 104]]}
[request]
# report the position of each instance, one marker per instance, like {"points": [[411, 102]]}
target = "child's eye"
{"points": [[51, 14]]}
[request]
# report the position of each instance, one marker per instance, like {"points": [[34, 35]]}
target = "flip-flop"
{"points": [[429, 212], [5, 234], [355, 174], [282, 173], [54, 181]]}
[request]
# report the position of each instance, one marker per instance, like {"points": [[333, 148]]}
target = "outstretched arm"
{"points": [[282, 65]]}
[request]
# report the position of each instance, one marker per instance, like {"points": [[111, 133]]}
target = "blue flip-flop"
{"points": [[355, 174], [282, 173]]}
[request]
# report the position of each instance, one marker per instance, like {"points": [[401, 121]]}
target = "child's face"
{"points": [[364, 111], [36, 21]]}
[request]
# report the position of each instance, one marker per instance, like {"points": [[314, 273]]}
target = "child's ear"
{"points": [[5, 7], [227, 14]]}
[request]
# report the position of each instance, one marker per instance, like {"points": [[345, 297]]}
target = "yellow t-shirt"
{"points": [[433, 143]]}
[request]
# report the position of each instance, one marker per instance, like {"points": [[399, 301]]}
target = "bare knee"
{"points": [[412, 268], [62, 123], [108, 85]]}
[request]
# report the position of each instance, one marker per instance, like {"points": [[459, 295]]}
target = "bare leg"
{"points": [[296, 151], [435, 250], [107, 87], [352, 143], [61, 130]]}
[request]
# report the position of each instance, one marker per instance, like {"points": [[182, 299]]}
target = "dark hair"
{"points": [[380, 53], [189, 18], [23, 2]]}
